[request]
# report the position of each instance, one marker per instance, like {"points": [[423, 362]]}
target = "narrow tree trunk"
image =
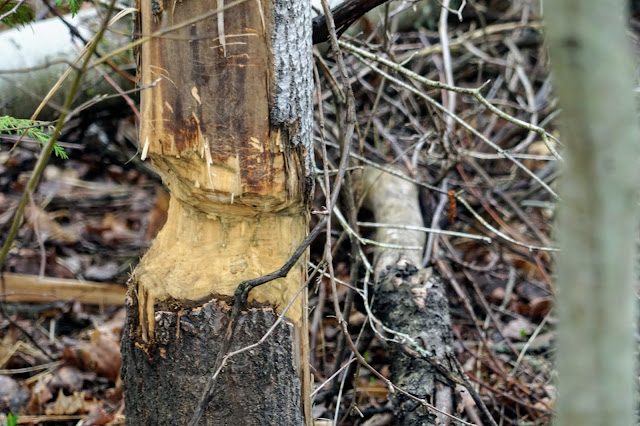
{"points": [[593, 74], [229, 129], [410, 300]]}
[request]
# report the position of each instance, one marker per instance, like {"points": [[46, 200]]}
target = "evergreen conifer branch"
{"points": [[32, 129]]}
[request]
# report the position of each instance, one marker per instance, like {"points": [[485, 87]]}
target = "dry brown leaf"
{"points": [[67, 405], [374, 388], [538, 148], [540, 306], [97, 416], [7, 349], [116, 231], [69, 378], [101, 354], [40, 394], [13, 397], [115, 324], [527, 268], [518, 329], [7, 208], [45, 225], [357, 318], [497, 295], [104, 272]]}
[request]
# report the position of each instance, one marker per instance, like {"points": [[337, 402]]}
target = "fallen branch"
{"points": [[32, 289]]}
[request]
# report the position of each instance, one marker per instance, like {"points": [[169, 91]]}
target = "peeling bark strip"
{"points": [[228, 128]]}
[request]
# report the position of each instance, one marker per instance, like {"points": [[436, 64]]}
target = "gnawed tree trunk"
{"points": [[229, 130], [410, 300]]}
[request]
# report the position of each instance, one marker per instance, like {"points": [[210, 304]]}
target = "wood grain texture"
{"points": [[228, 127]]}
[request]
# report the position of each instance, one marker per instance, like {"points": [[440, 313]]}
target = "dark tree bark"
{"points": [[259, 387], [344, 15]]}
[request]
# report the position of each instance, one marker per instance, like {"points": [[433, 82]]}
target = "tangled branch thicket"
{"points": [[481, 145]]}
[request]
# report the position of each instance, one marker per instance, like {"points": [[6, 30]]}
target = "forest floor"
{"points": [[95, 214]]}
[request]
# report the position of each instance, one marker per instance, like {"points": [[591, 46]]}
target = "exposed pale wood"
{"points": [[236, 180], [394, 201], [30, 288]]}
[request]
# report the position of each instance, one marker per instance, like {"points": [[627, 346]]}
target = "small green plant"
{"points": [[32, 129], [12, 419], [15, 13], [74, 5]]}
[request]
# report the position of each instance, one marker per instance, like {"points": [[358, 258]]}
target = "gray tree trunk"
{"points": [[592, 65]]}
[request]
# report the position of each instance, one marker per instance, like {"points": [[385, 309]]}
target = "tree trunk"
{"points": [[410, 300], [594, 77], [229, 130]]}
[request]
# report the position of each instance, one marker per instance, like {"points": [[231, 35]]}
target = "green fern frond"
{"points": [[32, 129], [59, 152]]}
